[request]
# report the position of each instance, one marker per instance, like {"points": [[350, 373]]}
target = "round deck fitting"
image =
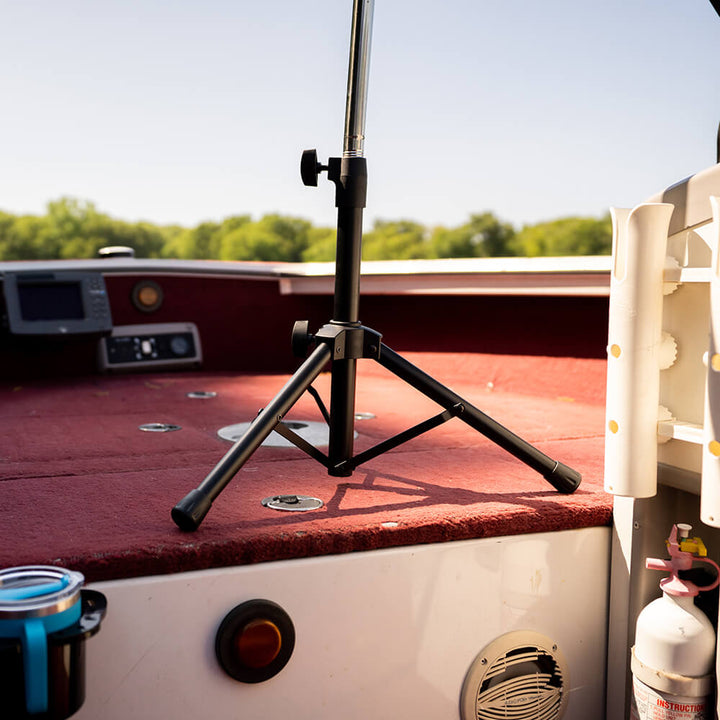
{"points": [[314, 432], [292, 503], [158, 427]]}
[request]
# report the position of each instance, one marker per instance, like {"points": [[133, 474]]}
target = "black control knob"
{"points": [[179, 346]]}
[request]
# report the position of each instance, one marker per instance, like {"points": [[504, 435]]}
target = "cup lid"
{"points": [[37, 590]]}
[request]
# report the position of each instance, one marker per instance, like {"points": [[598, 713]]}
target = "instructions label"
{"points": [[649, 704]]}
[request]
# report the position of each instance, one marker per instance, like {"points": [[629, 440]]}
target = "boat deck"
{"points": [[81, 486]]}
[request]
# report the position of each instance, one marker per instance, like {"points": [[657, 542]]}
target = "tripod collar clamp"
{"points": [[350, 340], [348, 173]]}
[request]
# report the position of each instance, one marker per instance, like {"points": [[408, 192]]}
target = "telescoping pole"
{"points": [[350, 178]]}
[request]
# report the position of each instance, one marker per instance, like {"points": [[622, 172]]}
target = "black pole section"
{"points": [[350, 178], [561, 477], [190, 511], [342, 417], [350, 197]]}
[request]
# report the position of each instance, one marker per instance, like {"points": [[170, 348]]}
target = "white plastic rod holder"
{"points": [[634, 341], [710, 484]]}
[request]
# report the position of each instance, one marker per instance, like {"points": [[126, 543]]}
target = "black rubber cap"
{"points": [[564, 479], [190, 511]]}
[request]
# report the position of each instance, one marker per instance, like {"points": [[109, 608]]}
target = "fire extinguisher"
{"points": [[674, 653]]}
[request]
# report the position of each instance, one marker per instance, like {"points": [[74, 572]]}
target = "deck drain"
{"points": [[292, 503], [315, 432], [158, 427], [202, 394]]}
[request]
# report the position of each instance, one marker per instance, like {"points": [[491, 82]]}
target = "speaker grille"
{"points": [[519, 676]]}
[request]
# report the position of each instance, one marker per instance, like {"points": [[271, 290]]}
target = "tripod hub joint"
{"points": [[349, 341]]}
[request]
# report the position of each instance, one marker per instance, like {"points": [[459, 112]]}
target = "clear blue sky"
{"points": [[186, 111]]}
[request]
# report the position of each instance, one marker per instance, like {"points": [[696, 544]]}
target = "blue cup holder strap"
{"points": [[34, 643]]}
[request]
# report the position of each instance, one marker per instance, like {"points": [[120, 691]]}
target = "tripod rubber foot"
{"points": [[190, 511], [340, 472], [563, 478]]}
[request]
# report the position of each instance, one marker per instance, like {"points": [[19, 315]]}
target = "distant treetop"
{"points": [[73, 228]]}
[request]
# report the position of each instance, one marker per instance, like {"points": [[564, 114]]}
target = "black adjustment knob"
{"points": [[301, 338], [310, 168]]}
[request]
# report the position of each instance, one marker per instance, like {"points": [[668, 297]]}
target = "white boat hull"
{"points": [[381, 634]]}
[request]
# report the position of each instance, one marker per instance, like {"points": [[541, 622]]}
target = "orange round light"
{"points": [[258, 643], [148, 296], [255, 641]]}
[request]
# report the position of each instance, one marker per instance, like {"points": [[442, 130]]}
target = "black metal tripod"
{"points": [[344, 340]]}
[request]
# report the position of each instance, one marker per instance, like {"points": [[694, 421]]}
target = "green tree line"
{"points": [[73, 228]]}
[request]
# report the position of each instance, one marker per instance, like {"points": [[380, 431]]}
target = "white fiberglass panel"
{"points": [[380, 634]]}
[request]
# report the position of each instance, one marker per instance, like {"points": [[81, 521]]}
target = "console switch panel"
{"points": [[151, 346]]}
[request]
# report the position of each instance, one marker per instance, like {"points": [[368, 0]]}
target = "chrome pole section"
{"points": [[359, 70]]}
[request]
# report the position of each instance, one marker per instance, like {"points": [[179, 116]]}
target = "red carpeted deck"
{"points": [[81, 486]]}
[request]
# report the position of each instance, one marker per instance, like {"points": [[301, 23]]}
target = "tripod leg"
{"points": [[190, 511], [561, 477]]}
